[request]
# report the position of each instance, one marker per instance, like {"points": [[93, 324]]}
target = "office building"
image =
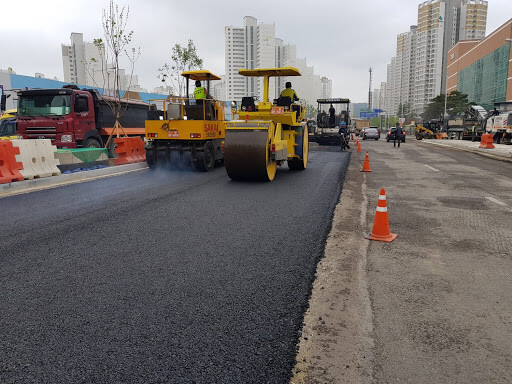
{"points": [[482, 69]]}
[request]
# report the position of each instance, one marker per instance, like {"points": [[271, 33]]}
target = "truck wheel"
{"points": [[92, 143]]}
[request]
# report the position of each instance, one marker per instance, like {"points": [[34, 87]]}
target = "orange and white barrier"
{"points": [[37, 157], [129, 150], [486, 141], [9, 167]]}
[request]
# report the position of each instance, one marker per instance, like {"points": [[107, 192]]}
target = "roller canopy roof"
{"points": [[333, 101], [200, 75], [285, 71]]}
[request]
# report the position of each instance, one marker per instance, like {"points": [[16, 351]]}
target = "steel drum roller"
{"points": [[247, 154]]}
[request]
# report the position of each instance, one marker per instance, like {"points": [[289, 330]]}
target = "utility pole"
{"points": [[370, 90]]}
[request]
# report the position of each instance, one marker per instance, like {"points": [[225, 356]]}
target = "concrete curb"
{"points": [[507, 157], [27, 186]]}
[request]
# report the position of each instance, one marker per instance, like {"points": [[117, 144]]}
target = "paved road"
{"points": [[441, 294], [434, 306], [162, 277]]}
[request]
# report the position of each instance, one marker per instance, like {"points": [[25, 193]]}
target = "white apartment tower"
{"points": [[326, 92], [255, 46], [73, 59], [84, 64], [417, 73]]}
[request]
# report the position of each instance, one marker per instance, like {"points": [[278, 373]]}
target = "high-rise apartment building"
{"points": [[473, 20], [326, 92], [255, 45], [84, 64], [73, 59], [417, 73]]}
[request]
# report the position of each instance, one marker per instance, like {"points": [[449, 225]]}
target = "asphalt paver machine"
{"points": [[267, 134], [327, 125]]}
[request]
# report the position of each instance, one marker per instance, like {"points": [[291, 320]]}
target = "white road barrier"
{"points": [[37, 157]]}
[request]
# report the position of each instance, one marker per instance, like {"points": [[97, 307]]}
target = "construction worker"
{"points": [[344, 136], [398, 135], [289, 92], [332, 116], [200, 93]]}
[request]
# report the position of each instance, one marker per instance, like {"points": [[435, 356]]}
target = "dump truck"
{"points": [[328, 125], [76, 118], [360, 124], [188, 131], [268, 134], [499, 122], [461, 126]]}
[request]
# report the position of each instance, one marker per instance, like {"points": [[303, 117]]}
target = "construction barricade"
{"points": [[129, 150], [486, 141], [9, 167], [37, 157]]}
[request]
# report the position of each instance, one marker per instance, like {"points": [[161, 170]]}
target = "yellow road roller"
{"points": [[266, 134], [185, 130]]}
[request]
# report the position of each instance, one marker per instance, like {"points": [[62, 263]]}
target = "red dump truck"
{"points": [[76, 118]]}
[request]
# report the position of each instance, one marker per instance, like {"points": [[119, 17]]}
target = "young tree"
{"points": [[310, 111], [183, 59], [456, 103], [111, 49]]}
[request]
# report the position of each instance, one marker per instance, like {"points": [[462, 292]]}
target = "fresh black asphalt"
{"points": [[163, 276]]}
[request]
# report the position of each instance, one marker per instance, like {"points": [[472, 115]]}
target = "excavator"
{"points": [[186, 130], [267, 134]]}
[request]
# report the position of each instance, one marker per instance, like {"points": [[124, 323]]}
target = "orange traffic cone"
{"points": [[358, 145], [380, 231], [351, 136], [366, 164]]}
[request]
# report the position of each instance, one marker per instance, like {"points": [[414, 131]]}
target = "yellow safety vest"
{"points": [[200, 93], [288, 92]]}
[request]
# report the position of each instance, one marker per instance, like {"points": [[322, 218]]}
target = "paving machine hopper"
{"points": [[267, 134], [187, 130]]}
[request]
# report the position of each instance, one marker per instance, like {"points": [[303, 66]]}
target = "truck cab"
{"points": [[64, 116], [499, 122]]}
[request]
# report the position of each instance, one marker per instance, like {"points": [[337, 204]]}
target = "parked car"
{"points": [[391, 135], [371, 133]]}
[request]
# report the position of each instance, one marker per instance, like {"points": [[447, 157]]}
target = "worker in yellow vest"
{"points": [[289, 92], [200, 93]]}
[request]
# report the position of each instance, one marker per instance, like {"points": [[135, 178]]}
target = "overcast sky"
{"points": [[341, 39]]}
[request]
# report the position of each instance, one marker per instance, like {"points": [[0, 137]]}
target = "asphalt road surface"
{"points": [[162, 277]]}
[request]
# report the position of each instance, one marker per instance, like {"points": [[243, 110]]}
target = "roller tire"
{"points": [[151, 157], [205, 161]]}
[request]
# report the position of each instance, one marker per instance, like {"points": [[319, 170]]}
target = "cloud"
{"points": [[340, 39]]}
